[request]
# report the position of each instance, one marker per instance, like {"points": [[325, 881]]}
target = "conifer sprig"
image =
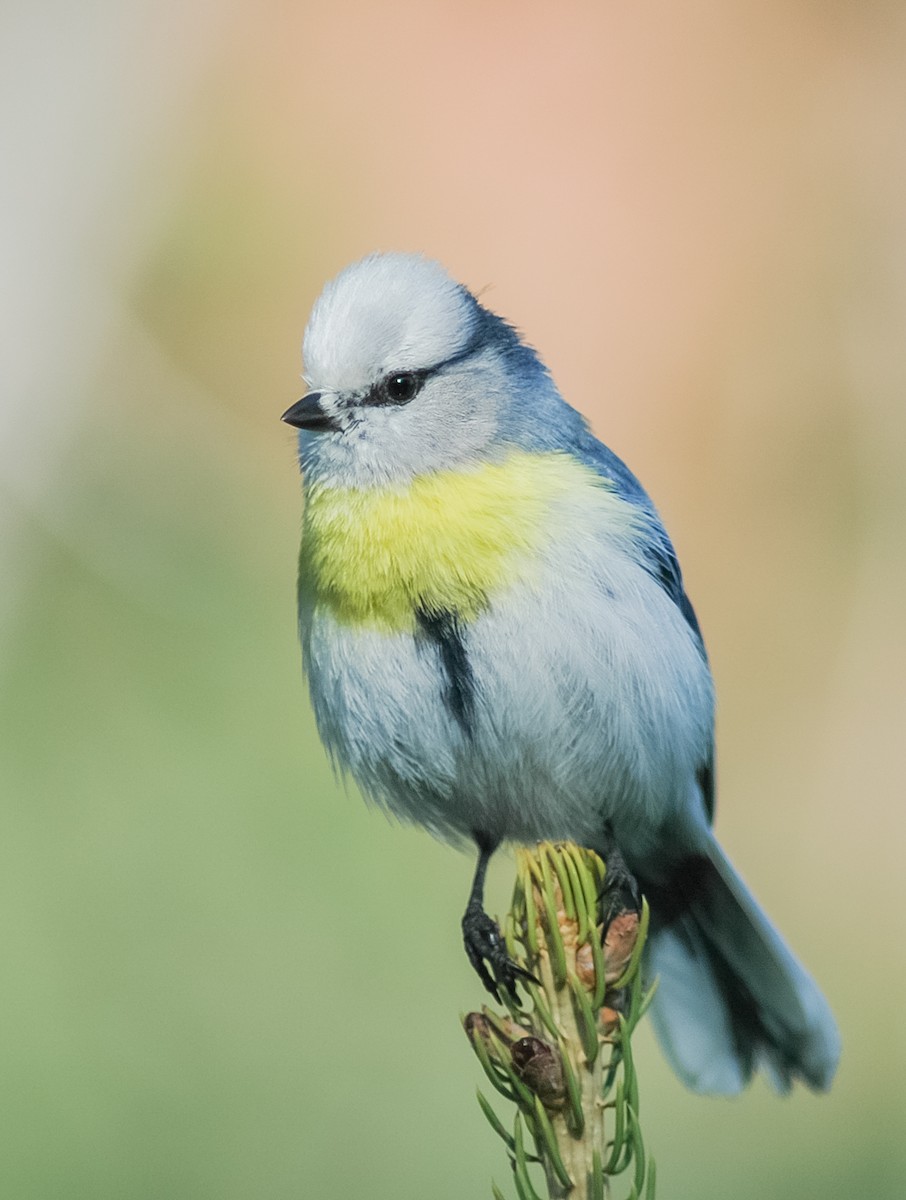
{"points": [[564, 1059]]}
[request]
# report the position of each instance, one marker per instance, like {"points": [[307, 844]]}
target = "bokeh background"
{"points": [[222, 975]]}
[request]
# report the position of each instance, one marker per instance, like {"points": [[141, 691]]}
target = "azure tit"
{"points": [[499, 647]]}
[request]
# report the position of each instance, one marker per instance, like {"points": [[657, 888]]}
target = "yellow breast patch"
{"points": [[445, 541]]}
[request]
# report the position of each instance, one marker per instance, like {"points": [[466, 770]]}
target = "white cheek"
{"points": [[380, 446]]}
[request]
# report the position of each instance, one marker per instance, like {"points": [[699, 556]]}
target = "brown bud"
{"points": [[585, 966], [609, 1019], [615, 1003], [539, 1066], [477, 1026], [622, 934]]}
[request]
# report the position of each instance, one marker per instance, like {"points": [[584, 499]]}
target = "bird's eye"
{"points": [[401, 388]]}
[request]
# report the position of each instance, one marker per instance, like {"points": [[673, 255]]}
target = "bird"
{"points": [[499, 647]]}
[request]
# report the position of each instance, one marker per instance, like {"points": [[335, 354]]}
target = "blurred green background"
{"points": [[222, 975]]}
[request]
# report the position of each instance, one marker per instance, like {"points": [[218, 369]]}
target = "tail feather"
{"points": [[732, 998]]}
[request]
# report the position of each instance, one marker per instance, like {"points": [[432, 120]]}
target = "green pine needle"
{"points": [[566, 1061]]}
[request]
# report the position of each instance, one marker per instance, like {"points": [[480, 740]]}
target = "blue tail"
{"points": [[732, 999]]}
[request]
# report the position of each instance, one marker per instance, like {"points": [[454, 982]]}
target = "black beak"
{"points": [[307, 413]]}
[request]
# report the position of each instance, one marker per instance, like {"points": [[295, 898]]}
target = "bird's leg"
{"points": [[482, 936], [620, 893]]}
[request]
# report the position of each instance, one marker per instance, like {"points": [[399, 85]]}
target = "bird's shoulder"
{"points": [[574, 437]]}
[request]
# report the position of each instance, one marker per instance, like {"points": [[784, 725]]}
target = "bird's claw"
{"points": [[620, 893], [484, 944]]}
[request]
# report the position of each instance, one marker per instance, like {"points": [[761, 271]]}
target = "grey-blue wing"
{"points": [[660, 559], [660, 555]]}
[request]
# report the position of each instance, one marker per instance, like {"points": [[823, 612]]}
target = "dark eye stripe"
{"points": [[380, 394], [397, 388]]}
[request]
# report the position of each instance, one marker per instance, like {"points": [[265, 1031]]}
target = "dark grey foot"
{"points": [[620, 893], [484, 944]]}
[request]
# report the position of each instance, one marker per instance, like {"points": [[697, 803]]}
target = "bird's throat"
{"points": [[446, 542]]}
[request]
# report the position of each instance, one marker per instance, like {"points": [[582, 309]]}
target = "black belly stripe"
{"points": [[444, 630]]}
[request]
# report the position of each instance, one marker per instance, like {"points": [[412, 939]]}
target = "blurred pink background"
{"points": [[696, 214]]}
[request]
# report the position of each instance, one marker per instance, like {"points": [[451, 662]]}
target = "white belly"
{"points": [[592, 703]]}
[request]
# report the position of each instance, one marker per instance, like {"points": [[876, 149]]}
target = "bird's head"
{"points": [[407, 373]]}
